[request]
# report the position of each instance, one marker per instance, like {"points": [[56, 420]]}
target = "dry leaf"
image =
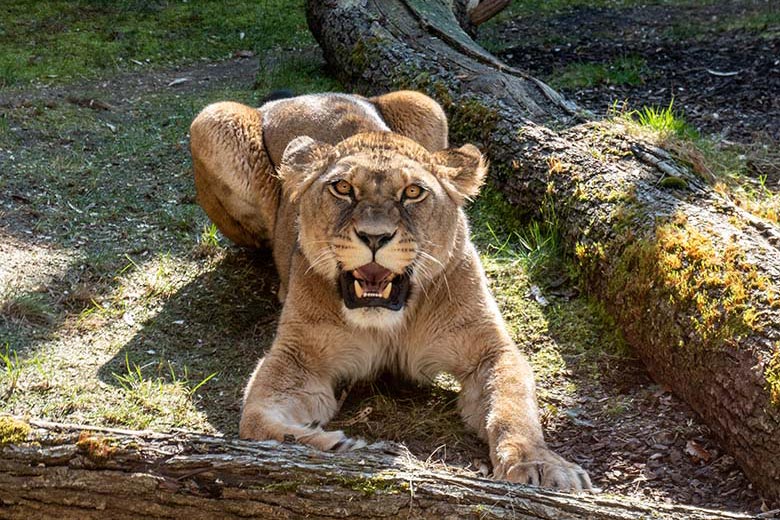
{"points": [[697, 451]]}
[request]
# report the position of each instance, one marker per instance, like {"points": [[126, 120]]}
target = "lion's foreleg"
{"points": [[284, 399], [498, 400]]}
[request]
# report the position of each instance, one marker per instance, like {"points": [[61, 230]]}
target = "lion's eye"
{"points": [[342, 187], [413, 191]]}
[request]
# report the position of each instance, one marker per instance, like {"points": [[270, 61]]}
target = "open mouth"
{"points": [[372, 285]]}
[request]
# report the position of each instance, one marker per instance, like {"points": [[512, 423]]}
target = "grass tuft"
{"points": [[665, 121], [535, 246], [12, 369], [34, 308], [162, 398], [748, 174]]}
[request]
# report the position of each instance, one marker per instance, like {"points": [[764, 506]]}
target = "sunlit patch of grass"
{"points": [[159, 280], [535, 246], [666, 121], [165, 393], [628, 70], [56, 40]]}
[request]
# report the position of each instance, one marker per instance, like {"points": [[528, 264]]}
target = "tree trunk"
{"points": [[64, 471], [690, 278]]}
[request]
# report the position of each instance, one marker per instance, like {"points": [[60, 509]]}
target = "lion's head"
{"points": [[378, 216]]}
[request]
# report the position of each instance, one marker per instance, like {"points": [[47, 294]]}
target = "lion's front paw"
{"points": [[543, 467]]}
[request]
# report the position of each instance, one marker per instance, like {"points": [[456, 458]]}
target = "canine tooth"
{"points": [[386, 292], [358, 289]]}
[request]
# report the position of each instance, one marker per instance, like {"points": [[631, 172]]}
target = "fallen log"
{"points": [[65, 471], [692, 280]]}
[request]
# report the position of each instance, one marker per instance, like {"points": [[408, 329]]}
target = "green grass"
{"points": [[165, 392], [755, 22], [628, 70], [531, 8], [35, 308], [11, 370], [665, 121], [58, 40]]}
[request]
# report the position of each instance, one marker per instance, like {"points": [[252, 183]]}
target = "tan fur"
{"points": [[450, 322]]}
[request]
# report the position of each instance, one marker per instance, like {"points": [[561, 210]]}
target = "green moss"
{"points": [[363, 53], [713, 289], [772, 375], [677, 183], [13, 431], [473, 121]]}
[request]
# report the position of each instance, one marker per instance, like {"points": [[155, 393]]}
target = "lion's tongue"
{"points": [[373, 277]]}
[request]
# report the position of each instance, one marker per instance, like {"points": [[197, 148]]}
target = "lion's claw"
{"points": [[547, 469]]}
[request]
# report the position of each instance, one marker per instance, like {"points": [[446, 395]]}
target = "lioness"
{"points": [[363, 205]]}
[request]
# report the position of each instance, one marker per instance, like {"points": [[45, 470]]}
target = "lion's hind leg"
{"points": [[234, 178], [416, 116]]}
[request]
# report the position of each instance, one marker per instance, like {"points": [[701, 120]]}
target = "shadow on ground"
{"points": [[221, 322]]}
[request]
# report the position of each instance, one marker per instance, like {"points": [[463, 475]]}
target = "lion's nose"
{"points": [[375, 242]]}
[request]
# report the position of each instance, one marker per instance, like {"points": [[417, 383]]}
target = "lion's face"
{"points": [[378, 216]]}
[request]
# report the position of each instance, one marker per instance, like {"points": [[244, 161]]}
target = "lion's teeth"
{"points": [[358, 289], [386, 292]]}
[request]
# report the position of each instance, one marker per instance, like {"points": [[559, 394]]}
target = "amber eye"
{"points": [[413, 191], [342, 187]]}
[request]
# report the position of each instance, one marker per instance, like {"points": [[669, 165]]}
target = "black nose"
{"points": [[375, 242]]}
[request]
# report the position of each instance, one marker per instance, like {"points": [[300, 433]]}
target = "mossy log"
{"points": [[63, 471], [692, 280]]}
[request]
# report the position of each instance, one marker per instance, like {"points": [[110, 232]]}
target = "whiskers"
{"points": [[322, 256], [426, 273]]}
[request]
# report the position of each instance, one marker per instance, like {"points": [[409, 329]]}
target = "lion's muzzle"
{"points": [[373, 285]]}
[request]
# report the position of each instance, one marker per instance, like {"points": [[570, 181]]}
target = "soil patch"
{"points": [[719, 62]]}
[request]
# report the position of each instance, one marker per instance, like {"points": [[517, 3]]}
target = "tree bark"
{"points": [[485, 10], [691, 279], [65, 471]]}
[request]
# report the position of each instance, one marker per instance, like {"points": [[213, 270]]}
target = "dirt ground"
{"points": [[718, 61], [216, 311]]}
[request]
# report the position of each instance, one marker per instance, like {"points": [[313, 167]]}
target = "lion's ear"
{"points": [[302, 162], [462, 170]]}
